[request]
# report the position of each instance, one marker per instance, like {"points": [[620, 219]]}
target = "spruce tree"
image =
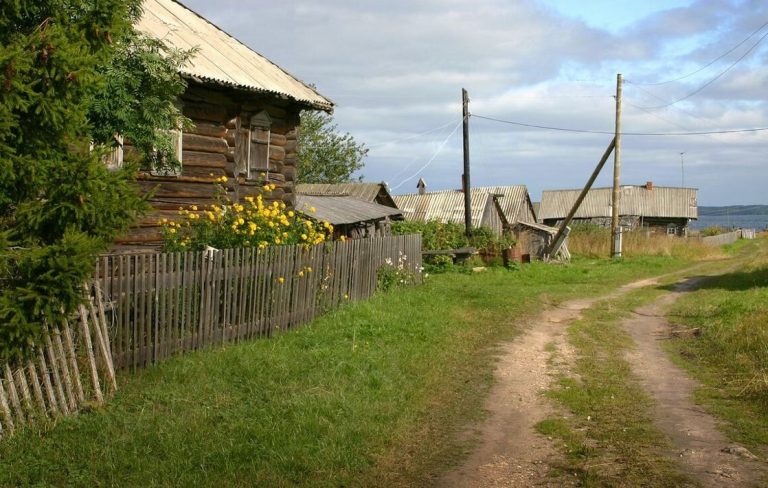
{"points": [[59, 204]]}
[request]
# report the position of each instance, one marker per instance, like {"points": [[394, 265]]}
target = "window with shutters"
{"points": [[252, 144]]}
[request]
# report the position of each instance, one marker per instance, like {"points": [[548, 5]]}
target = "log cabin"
{"points": [[245, 115]]}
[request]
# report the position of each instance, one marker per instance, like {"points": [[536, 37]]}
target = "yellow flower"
{"points": [[312, 209], [303, 237], [309, 269], [342, 238], [194, 207], [281, 280], [301, 274], [172, 230], [290, 213]]}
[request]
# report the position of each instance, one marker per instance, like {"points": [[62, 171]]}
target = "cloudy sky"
{"points": [[395, 69]]}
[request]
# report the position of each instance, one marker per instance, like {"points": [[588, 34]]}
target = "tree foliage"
{"points": [[59, 204], [325, 155]]}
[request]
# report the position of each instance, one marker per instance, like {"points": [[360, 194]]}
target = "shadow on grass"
{"points": [[734, 281]]}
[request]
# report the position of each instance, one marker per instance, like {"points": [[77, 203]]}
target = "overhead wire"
{"points": [[717, 77], [412, 136], [587, 131], [439, 148], [706, 65], [410, 163]]}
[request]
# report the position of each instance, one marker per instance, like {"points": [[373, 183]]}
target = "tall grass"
{"points": [[594, 241]]}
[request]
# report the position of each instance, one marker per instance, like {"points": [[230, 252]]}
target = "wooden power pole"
{"points": [[465, 178], [615, 200]]}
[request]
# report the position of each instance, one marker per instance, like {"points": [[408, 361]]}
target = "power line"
{"points": [[699, 89], [412, 136], [687, 112], [708, 64], [586, 131], [408, 166], [440, 148]]}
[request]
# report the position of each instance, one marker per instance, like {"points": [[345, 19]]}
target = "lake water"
{"points": [[758, 222]]}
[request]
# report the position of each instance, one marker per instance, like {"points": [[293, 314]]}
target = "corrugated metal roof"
{"points": [[661, 201], [445, 206], [514, 201], [340, 210], [363, 191], [220, 58]]}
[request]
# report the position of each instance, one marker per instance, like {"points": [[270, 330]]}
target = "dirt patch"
{"points": [[702, 449]]}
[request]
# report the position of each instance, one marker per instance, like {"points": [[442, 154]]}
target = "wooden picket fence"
{"points": [[162, 304], [70, 369]]}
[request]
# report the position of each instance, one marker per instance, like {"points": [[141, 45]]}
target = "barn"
{"points": [[659, 209]]}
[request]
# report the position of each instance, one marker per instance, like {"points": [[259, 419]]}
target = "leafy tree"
{"points": [[59, 204], [326, 156], [135, 100]]}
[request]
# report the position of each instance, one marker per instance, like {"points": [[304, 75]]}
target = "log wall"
{"points": [[210, 151]]}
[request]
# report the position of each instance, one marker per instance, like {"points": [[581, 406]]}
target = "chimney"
{"points": [[649, 185], [422, 186]]}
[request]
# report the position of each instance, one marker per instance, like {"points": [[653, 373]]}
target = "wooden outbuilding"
{"points": [[448, 206], [667, 210], [351, 217], [245, 111], [368, 192]]}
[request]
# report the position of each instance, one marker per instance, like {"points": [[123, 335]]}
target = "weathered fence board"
{"points": [[165, 304], [48, 383]]}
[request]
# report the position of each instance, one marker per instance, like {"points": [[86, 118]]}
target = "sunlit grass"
{"points": [[370, 395]]}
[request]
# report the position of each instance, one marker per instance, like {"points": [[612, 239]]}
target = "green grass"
{"points": [[729, 355], [607, 432], [373, 394]]}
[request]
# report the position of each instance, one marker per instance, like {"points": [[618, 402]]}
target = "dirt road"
{"points": [[511, 453]]}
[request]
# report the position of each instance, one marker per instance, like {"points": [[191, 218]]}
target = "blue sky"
{"points": [[396, 68]]}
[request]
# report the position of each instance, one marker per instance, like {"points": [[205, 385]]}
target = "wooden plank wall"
{"points": [[71, 368], [167, 303]]}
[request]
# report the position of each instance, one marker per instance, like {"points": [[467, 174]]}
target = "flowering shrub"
{"points": [[392, 275], [254, 223]]}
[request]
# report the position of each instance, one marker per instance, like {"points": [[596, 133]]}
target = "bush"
{"points": [[439, 236], [227, 225]]}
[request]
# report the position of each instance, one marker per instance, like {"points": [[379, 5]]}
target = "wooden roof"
{"points": [[339, 210], [660, 202], [369, 192], [220, 58]]}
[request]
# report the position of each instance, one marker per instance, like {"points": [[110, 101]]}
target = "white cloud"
{"points": [[396, 68]]}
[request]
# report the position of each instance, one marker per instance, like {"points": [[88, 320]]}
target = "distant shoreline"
{"points": [[733, 210]]}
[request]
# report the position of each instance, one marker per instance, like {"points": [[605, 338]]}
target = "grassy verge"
{"points": [[608, 434], [369, 395], [723, 342]]}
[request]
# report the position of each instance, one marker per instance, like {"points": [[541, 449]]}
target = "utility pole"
{"points": [[615, 230], [682, 168], [465, 178]]}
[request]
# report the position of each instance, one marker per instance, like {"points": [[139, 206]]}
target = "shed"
{"points": [[535, 239], [245, 110], [514, 203], [369, 192], [448, 206], [350, 216], [659, 209]]}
